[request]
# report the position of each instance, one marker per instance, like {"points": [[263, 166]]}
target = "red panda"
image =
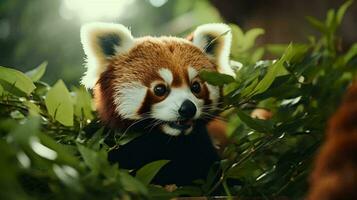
{"points": [[152, 85], [335, 173]]}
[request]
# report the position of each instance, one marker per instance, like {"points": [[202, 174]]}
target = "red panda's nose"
{"points": [[187, 109]]}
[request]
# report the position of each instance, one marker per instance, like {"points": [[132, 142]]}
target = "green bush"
{"points": [[47, 154]]}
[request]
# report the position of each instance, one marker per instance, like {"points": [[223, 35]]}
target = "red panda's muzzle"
{"points": [[181, 124]]}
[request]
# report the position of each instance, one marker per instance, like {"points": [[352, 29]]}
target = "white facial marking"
{"points": [[167, 110], [128, 98], [213, 94], [166, 74], [175, 132], [170, 131], [192, 73]]}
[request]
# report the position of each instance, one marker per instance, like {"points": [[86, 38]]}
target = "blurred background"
{"points": [[41, 30]]}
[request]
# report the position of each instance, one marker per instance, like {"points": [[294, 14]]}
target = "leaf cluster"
{"points": [[301, 90]]}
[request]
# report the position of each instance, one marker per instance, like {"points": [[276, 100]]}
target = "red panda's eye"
{"points": [[196, 87], [160, 90]]}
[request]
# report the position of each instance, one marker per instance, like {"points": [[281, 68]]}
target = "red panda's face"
{"points": [[153, 79]]}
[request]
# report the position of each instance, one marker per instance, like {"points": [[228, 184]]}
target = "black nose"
{"points": [[187, 109]]}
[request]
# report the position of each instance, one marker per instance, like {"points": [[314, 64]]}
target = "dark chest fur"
{"points": [[190, 156]]}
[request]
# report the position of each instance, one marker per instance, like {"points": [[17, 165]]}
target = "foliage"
{"points": [[45, 153], [52, 33]]}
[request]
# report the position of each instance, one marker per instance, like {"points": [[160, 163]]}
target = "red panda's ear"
{"points": [[215, 40], [100, 42]]}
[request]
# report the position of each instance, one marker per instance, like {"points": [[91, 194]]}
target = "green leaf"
{"points": [[41, 88], [82, 103], [215, 78], [293, 53], [33, 108], [257, 54], [351, 53], [237, 39], [148, 172], [17, 79], [251, 36], [268, 79], [255, 124], [247, 91], [29, 128], [131, 184], [96, 140], [90, 158], [319, 25], [97, 161], [342, 10], [243, 42], [331, 20], [37, 73], [59, 104], [276, 49], [242, 171]]}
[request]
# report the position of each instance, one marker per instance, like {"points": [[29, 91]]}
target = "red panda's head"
{"points": [[154, 79]]}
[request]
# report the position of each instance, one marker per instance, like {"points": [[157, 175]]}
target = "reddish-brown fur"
{"points": [[335, 173], [217, 130], [142, 64]]}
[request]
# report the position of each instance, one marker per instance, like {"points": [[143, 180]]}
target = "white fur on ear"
{"points": [[100, 42], [215, 40]]}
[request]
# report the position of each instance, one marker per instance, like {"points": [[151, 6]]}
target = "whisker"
{"points": [[210, 116], [156, 124], [153, 122], [216, 103], [212, 105], [169, 139], [146, 115], [213, 118]]}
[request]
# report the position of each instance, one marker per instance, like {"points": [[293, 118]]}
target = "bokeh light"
{"points": [[158, 3], [89, 10]]}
